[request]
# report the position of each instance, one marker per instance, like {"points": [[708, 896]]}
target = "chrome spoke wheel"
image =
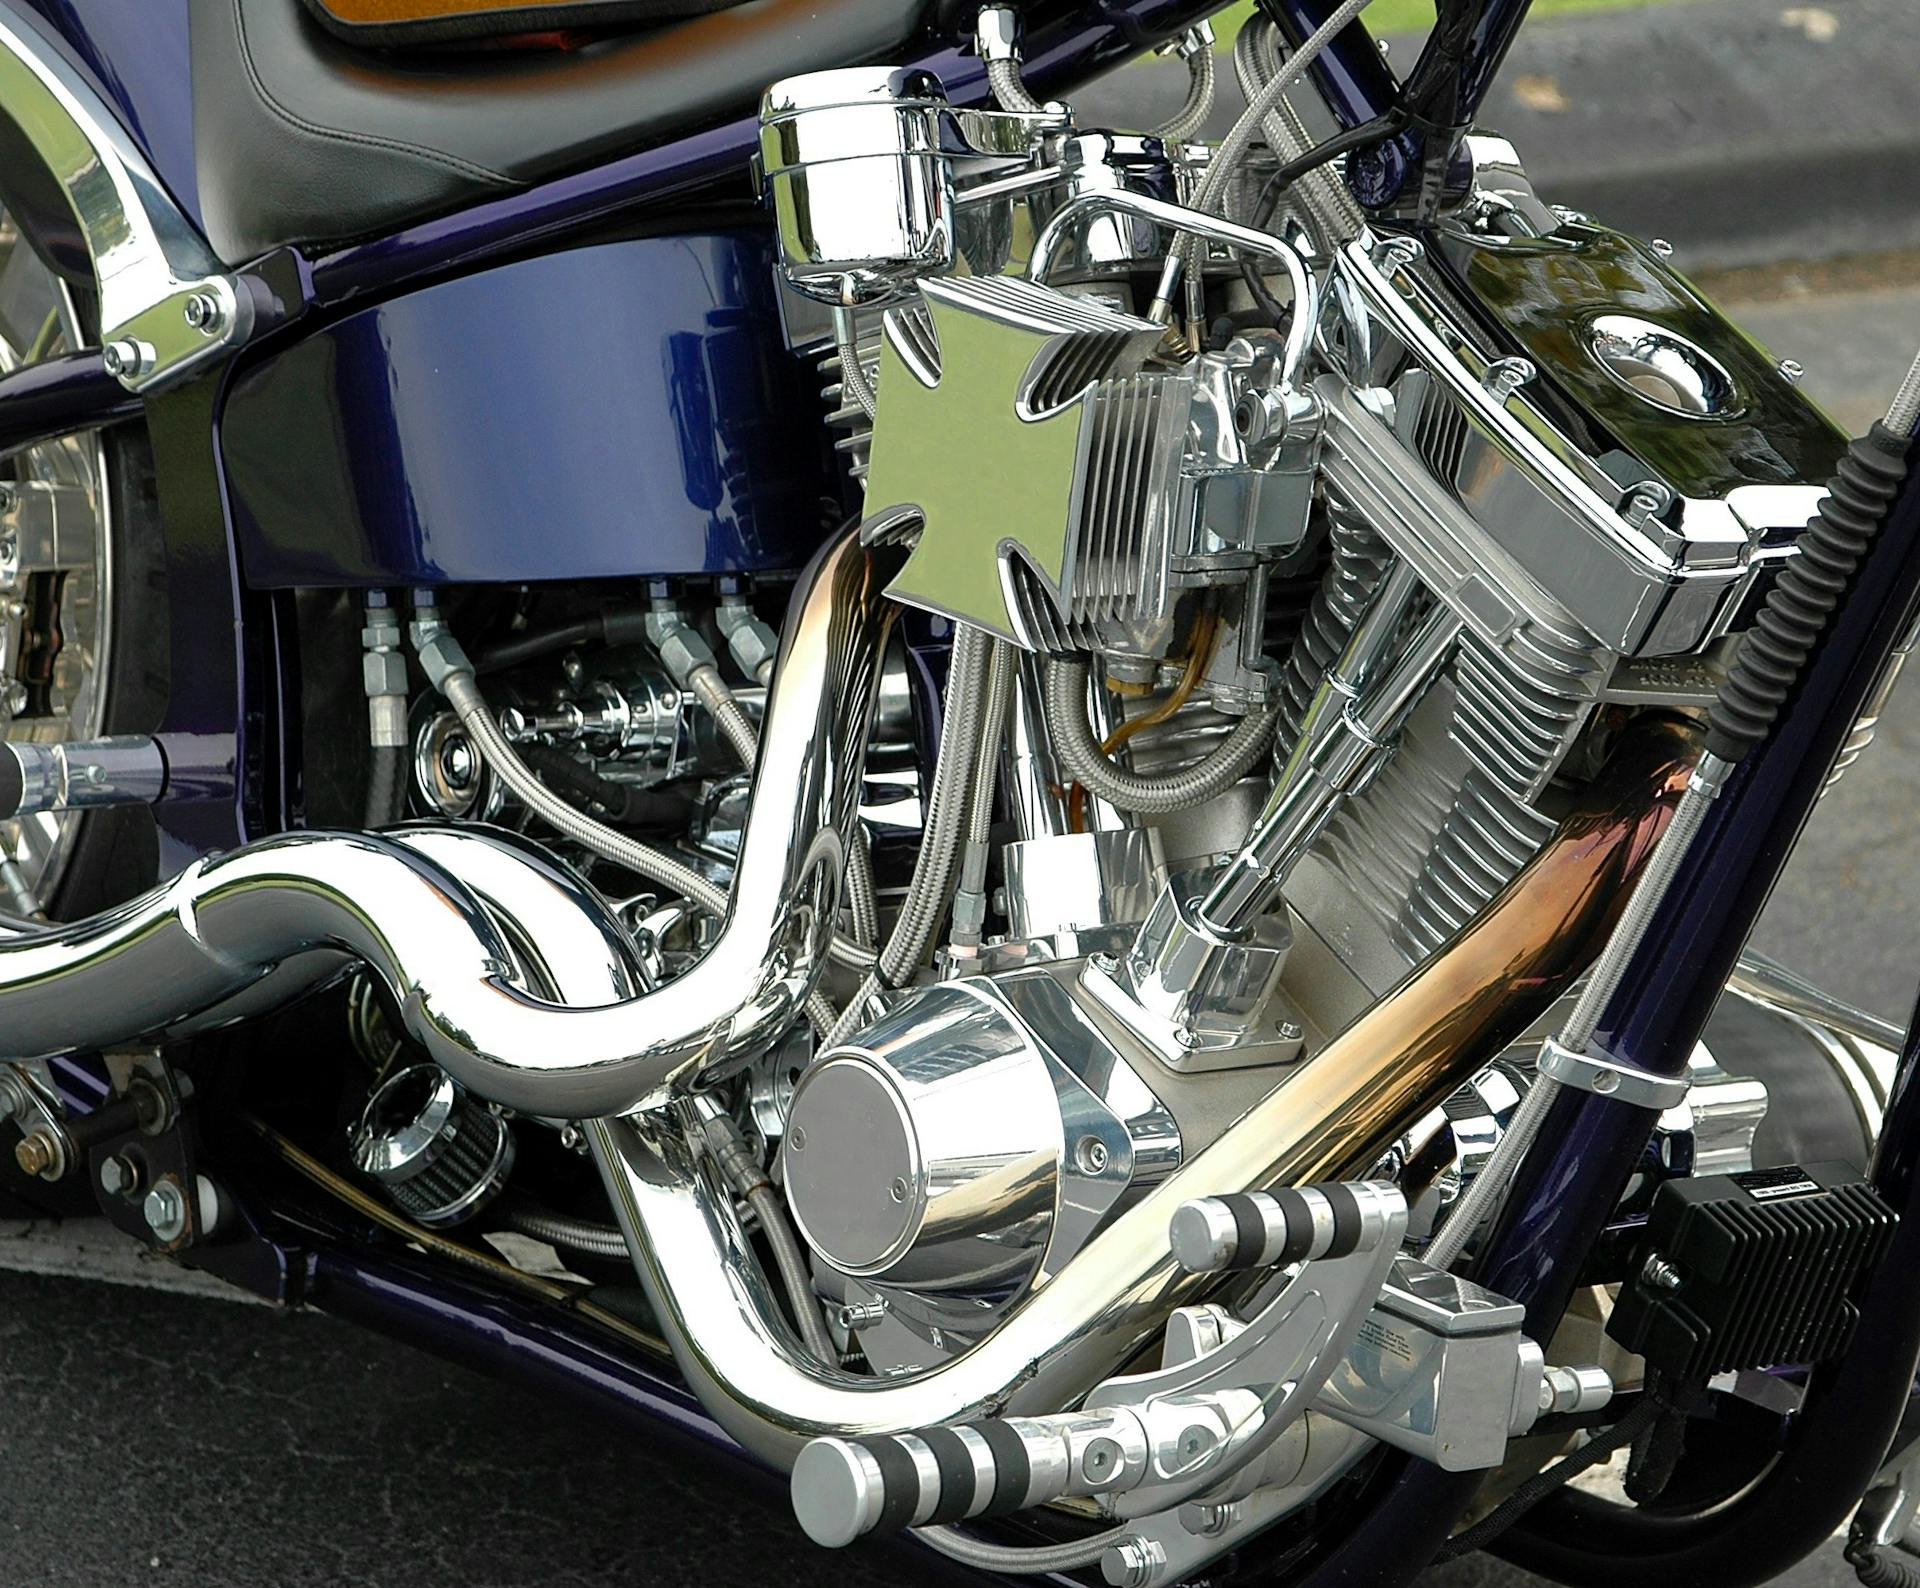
{"points": [[55, 572]]}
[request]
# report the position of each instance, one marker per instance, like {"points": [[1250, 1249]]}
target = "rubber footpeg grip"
{"points": [[1267, 1229]]}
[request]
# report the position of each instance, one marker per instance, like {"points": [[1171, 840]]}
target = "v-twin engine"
{"points": [[1315, 614]]}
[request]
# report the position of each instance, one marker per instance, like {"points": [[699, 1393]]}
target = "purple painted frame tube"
{"points": [[1358, 86], [57, 396], [1059, 56], [1567, 1187], [542, 1350]]}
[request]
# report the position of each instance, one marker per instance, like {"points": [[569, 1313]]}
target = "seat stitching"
{"points": [[434, 156]]}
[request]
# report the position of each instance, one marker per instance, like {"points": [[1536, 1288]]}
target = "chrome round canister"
{"points": [[861, 183], [928, 1150]]}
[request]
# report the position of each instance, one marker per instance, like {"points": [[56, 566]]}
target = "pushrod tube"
{"points": [[1331, 1117]]}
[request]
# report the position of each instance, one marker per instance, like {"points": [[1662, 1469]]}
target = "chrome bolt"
{"points": [[1661, 247], [856, 1315], [1195, 1443], [1646, 501], [1605, 1081], [204, 313], [457, 763], [1570, 217], [1090, 1153], [1396, 253], [1106, 964], [166, 1211], [1792, 370], [1101, 1460], [9, 547], [38, 1154], [9, 496], [1133, 1562], [1289, 1031], [1187, 1037], [126, 358], [1505, 376], [1209, 1521], [1659, 1273], [571, 1139], [1574, 1389], [119, 1175]]}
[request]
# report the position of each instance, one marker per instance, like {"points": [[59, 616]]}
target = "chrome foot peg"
{"points": [[1152, 1441], [1269, 1229]]}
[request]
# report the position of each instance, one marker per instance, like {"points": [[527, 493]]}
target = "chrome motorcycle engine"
{"points": [[1442, 526]]}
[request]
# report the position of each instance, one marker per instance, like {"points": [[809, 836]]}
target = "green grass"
{"points": [[1415, 16]]}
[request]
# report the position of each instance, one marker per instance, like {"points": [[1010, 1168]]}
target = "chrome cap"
{"points": [[861, 183]]}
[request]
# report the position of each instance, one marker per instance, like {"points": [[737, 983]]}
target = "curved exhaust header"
{"points": [[1329, 1119], [199, 949]]}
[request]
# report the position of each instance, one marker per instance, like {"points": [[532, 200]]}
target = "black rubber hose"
{"points": [[386, 786], [622, 626], [1523, 1499], [1813, 583], [1880, 1568], [658, 810]]}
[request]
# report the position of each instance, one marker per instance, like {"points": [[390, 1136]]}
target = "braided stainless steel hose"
{"points": [[981, 1555], [1187, 252], [1081, 757], [596, 1240], [1321, 196], [1196, 47], [1009, 93], [936, 867], [724, 708], [463, 694]]}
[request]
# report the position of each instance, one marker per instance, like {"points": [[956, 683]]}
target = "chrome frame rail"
{"points": [[166, 306]]}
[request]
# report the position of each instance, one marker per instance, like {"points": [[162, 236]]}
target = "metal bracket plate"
{"points": [[166, 306]]}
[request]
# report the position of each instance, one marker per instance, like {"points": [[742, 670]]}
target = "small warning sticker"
{"points": [[1769, 1185]]}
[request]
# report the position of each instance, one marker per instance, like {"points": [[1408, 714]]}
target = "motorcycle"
{"points": [[1052, 826]]}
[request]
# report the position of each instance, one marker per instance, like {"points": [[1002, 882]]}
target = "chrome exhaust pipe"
{"points": [[1329, 1119], [237, 934]]}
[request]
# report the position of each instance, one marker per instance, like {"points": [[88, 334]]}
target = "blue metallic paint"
{"points": [[1062, 53], [611, 410]]}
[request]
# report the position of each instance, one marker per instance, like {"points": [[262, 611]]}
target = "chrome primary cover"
{"points": [[964, 1146]]}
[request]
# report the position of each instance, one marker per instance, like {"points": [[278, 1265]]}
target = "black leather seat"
{"points": [[302, 138]]}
